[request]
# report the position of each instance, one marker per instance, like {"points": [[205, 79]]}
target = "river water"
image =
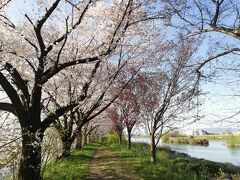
{"points": [[217, 150]]}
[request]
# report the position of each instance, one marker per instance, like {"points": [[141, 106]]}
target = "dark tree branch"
{"points": [[53, 71], [38, 28], [8, 107], [87, 84], [216, 56], [12, 94], [28, 18], [64, 43], [6, 3], [10, 142], [100, 98], [27, 60], [68, 32], [74, 5], [8, 23], [111, 101], [47, 14], [21, 84], [217, 13], [119, 25], [53, 116]]}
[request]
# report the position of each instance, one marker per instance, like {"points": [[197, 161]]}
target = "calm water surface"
{"points": [[217, 151]]}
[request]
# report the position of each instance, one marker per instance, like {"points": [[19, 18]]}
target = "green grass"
{"points": [[169, 165], [74, 167], [231, 140], [186, 140]]}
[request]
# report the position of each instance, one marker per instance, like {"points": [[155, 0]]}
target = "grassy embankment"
{"points": [[180, 139], [170, 165], [231, 140]]}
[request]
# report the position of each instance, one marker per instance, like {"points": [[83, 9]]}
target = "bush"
{"points": [[185, 140], [165, 138], [112, 139]]}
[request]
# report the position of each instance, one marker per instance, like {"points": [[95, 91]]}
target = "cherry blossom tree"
{"points": [[70, 124], [116, 121], [128, 105], [36, 49], [170, 99]]}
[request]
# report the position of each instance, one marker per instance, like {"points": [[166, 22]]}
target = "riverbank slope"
{"points": [[170, 165]]}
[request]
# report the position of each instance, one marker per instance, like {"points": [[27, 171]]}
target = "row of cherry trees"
{"points": [[57, 40], [63, 63], [215, 22], [59, 59], [160, 97]]}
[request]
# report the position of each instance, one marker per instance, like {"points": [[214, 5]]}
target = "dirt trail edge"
{"points": [[105, 165]]}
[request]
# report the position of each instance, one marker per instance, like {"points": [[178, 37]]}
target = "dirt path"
{"points": [[105, 165]]}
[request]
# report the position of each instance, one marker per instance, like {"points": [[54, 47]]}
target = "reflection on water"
{"points": [[216, 151]]}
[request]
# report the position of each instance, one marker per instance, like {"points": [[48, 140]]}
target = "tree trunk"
{"points": [[32, 136], [30, 162], [85, 141], [153, 149], [79, 141], [120, 138], [129, 139], [66, 148], [88, 139]]}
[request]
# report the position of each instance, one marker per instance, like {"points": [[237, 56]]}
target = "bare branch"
{"points": [[10, 142], [113, 99], [216, 56], [39, 25], [64, 43], [53, 116], [6, 3]]}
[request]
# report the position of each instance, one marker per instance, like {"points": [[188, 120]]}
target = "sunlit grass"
{"points": [[137, 159], [73, 167], [168, 166]]}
